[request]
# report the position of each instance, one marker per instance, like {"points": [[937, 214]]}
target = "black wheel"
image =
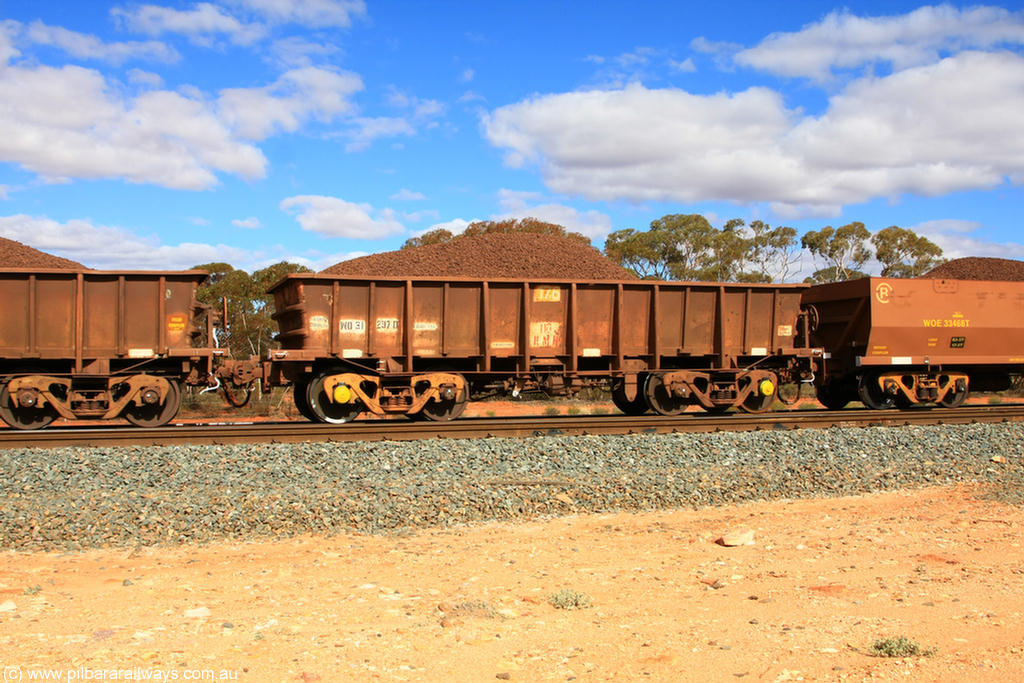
{"points": [[444, 410], [637, 405], [24, 418], [956, 397], [156, 414], [660, 400], [762, 397], [300, 389], [834, 396], [872, 396], [323, 410]]}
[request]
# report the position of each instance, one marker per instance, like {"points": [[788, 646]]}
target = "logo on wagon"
{"points": [[882, 292]]}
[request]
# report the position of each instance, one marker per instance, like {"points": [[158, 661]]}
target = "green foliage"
{"points": [[843, 250], [569, 599], [688, 247], [904, 253], [438, 236], [250, 329], [899, 647]]}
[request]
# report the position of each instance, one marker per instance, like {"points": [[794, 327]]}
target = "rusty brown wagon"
{"points": [[100, 344], [422, 346], [897, 342]]}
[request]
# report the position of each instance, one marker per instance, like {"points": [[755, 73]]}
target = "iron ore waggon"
{"points": [[421, 347], [896, 342], [99, 344]]}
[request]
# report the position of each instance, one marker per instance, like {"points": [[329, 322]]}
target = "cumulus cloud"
{"points": [[336, 217], [925, 130], [71, 122], [369, 129], [311, 13], [960, 238], [405, 195], [844, 41], [85, 46], [202, 24], [250, 223], [593, 224], [255, 113], [112, 248]]}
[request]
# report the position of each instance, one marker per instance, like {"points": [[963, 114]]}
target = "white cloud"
{"points": [[255, 113], [69, 122], [146, 79], [959, 238], [296, 51], [926, 130], [369, 129], [4, 191], [312, 13], [593, 224], [112, 248], [336, 217], [844, 41], [86, 46], [405, 195], [467, 75], [8, 29], [202, 24], [250, 223], [686, 66]]}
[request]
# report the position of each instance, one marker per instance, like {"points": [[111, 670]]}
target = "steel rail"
{"points": [[182, 433]]}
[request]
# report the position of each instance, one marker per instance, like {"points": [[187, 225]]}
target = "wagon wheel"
{"points": [[238, 397], [871, 395], [954, 398], [24, 418], [444, 409], [323, 410], [659, 399], [156, 414], [300, 390], [630, 406], [761, 399], [788, 393], [834, 395]]}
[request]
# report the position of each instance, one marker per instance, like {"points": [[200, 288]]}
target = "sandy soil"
{"points": [[822, 581]]}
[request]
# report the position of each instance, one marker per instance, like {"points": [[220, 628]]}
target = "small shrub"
{"points": [[899, 647], [490, 413], [575, 410], [600, 411], [569, 599], [551, 410], [995, 400]]}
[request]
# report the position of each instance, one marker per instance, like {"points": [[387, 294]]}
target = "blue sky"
{"points": [[138, 135]]}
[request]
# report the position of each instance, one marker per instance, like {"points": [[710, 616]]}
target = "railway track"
{"points": [[396, 430]]}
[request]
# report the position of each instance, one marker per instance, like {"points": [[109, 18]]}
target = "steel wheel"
{"points": [[323, 410], [834, 396], [156, 414], [300, 389], [954, 398], [24, 418], [637, 405], [660, 400], [441, 411], [758, 401], [871, 395]]}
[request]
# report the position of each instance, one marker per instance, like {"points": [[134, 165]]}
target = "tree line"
{"points": [[688, 247]]}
